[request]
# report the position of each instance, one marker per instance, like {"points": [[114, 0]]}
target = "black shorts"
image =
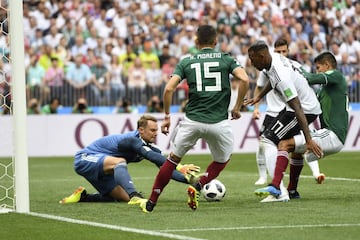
{"points": [[285, 126], [266, 123]]}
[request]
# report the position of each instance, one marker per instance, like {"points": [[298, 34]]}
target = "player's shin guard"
{"points": [[162, 179]]}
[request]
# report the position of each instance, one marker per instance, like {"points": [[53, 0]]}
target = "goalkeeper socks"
{"points": [[122, 177], [97, 197], [280, 168], [296, 165], [162, 179], [212, 172]]}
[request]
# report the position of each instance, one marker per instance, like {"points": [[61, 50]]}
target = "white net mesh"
{"points": [[7, 200]]}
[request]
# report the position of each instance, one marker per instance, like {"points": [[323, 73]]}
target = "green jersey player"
{"points": [[334, 118], [206, 113]]}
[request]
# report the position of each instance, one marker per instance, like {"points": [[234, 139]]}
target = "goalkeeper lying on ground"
{"points": [[104, 164]]}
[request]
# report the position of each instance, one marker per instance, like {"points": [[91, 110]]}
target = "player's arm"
{"points": [[294, 103], [240, 74], [154, 155], [256, 112], [315, 78], [167, 100], [256, 99]]}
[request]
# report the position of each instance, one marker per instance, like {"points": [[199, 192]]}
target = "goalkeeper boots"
{"points": [[146, 205], [75, 197], [193, 200], [135, 198]]}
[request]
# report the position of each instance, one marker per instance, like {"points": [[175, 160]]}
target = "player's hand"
{"points": [[251, 101], [188, 169], [165, 126], [316, 149], [235, 114], [256, 114]]}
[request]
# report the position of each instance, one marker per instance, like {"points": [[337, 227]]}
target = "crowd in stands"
{"points": [[121, 52]]}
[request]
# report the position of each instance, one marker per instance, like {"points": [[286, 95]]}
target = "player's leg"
{"points": [[315, 170], [296, 166], [261, 165], [261, 159], [184, 139], [220, 139], [90, 167], [117, 167], [285, 126], [329, 143]]}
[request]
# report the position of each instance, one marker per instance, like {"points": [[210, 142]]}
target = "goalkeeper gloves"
{"points": [[187, 168]]}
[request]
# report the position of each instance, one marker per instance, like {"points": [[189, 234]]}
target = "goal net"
{"points": [[14, 189]]}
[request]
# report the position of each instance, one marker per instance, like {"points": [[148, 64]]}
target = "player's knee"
{"points": [[284, 146]]}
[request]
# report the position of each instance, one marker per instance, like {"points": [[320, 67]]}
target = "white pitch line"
{"points": [[264, 227], [223, 176], [113, 227]]}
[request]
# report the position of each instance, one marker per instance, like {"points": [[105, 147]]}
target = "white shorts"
{"points": [[219, 137], [325, 138]]}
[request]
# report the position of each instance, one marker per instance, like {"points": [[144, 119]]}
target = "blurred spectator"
{"points": [[47, 54], [174, 49], [228, 17], [91, 41], [35, 79], [154, 105], [124, 106], [54, 79], [169, 29], [68, 32], [117, 85], [136, 81], [154, 79], [79, 47], [165, 55], [127, 59], [147, 56], [53, 38], [33, 107], [78, 78], [188, 38], [62, 51], [352, 47], [101, 82], [81, 106], [335, 49], [51, 107], [38, 41]]}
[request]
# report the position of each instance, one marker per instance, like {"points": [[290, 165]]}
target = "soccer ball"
{"points": [[214, 191]]}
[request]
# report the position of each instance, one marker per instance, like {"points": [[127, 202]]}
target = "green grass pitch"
{"points": [[327, 211]]}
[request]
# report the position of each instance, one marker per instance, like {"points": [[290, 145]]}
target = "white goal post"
{"points": [[16, 169]]}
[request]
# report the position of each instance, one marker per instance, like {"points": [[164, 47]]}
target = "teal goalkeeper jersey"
{"points": [[207, 74], [334, 101]]}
